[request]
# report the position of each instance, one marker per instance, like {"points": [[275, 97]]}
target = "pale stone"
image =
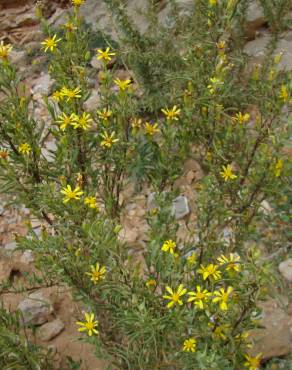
{"points": [[180, 207], [285, 269], [51, 329], [35, 309]]}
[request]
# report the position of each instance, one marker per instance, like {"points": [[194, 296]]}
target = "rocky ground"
{"points": [[51, 308]]}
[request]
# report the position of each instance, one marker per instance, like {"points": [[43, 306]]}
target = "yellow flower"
{"points": [[108, 140], [284, 95], [278, 57], [70, 27], [151, 129], [199, 297], [70, 93], [210, 271], [241, 118], [89, 325], [104, 54], [24, 148], [3, 154], [91, 202], [105, 114], [218, 332], [215, 84], [213, 2], [71, 194], [50, 43], [227, 173], [253, 363], [65, 120], [57, 96], [77, 2], [175, 297], [4, 50], [168, 246], [136, 123], [242, 337], [171, 114], [97, 273], [222, 297], [221, 45], [256, 72], [278, 167], [83, 121], [192, 259], [272, 74], [232, 264], [190, 345], [150, 283], [123, 85]]}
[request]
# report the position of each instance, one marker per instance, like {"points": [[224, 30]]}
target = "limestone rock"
{"points": [[42, 85], [93, 101], [5, 270], [51, 329], [255, 19], [35, 309], [285, 269], [180, 207], [27, 257], [275, 339]]}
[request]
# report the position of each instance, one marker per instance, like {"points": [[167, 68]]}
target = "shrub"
{"points": [[191, 301]]}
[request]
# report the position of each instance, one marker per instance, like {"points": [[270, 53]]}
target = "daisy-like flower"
{"points": [[200, 297], [65, 120], [210, 271], [278, 167], [175, 297], [70, 27], [151, 283], [227, 173], [4, 50], [171, 114], [284, 95], [97, 273], [89, 325], [213, 2], [105, 114], [169, 246], [3, 154], [105, 54], [57, 96], [221, 45], [190, 345], [192, 258], [108, 140], [222, 297], [71, 194], [24, 148], [70, 93], [78, 3], [91, 202], [220, 331], [83, 121], [215, 84], [253, 363], [151, 129], [232, 263], [50, 43], [136, 123], [123, 85], [241, 118]]}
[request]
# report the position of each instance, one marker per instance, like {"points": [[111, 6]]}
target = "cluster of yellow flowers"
{"points": [[75, 194], [83, 122]]}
